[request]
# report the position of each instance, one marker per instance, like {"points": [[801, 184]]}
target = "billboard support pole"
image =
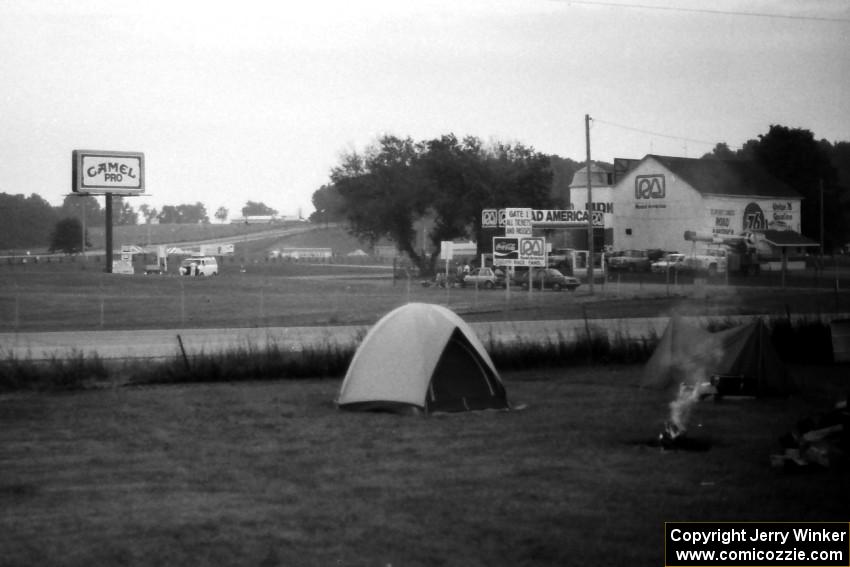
{"points": [[108, 229]]}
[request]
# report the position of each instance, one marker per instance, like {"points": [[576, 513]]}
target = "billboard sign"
{"points": [[532, 252], [101, 172], [505, 250], [567, 218], [518, 222], [518, 251]]}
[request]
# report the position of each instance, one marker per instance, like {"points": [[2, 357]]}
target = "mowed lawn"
{"points": [[271, 473]]}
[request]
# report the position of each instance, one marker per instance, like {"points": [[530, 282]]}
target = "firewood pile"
{"points": [[821, 440]]}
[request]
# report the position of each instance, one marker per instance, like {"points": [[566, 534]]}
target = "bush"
{"points": [[799, 342], [72, 373]]}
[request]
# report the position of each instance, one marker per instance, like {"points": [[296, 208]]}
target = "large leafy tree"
{"points": [[397, 181], [384, 192], [467, 177]]}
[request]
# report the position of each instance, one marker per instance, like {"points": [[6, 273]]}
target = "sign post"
{"points": [[108, 173]]}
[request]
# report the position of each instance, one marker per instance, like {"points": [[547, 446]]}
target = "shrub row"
{"points": [[799, 342]]}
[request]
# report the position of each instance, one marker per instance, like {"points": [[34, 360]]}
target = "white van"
{"points": [[199, 266]]}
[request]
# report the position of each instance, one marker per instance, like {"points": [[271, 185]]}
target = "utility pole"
{"points": [[589, 206], [821, 221]]}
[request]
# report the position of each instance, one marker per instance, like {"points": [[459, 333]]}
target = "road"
{"points": [[162, 343]]}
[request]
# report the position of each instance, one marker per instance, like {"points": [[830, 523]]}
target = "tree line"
{"points": [[32, 222], [382, 191]]}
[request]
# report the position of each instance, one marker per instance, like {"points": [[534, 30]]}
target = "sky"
{"points": [[257, 101]]}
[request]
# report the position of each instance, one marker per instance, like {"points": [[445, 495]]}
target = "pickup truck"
{"points": [[712, 262]]}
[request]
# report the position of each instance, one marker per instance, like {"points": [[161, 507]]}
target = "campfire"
{"points": [[671, 433], [673, 436]]}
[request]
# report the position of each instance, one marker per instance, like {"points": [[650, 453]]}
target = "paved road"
{"points": [[153, 344]]}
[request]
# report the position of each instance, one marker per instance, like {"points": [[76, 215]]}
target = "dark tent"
{"points": [[739, 361]]}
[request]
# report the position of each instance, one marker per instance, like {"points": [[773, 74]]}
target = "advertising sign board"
{"points": [[505, 250], [518, 222], [490, 218], [567, 218], [225, 249], [532, 252], [517, 251], [99, 172]]}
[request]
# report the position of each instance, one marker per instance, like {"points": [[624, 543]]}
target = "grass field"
{"points": [[273, 474], [44, 297]]}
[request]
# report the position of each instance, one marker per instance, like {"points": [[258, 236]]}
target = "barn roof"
{"points": [[726, 177]]}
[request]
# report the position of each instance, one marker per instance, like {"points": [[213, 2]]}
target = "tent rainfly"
{"points": [[740, 360], [422, 357]]}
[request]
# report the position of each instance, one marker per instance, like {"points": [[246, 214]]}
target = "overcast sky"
{"points": [[247, 100]]}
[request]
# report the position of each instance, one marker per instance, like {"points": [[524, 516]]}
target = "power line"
{"points": [[661, 135], [708, 11]]}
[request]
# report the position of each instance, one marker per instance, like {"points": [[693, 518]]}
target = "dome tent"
{"points": [[423, 357]]}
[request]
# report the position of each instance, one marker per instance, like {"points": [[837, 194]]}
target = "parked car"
{"points": [[551, 278], [673, 261], [199, 266], [484, 277], [630, 260]]}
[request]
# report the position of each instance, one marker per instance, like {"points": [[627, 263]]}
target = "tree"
{"points": [[721, 151], [168, 214], [468, 177], [67, 236], [563, 172], [84, 207], [148, 213], [183, 214], [221, 214], [384, 192], [193, 214], [793, 156], [257, 209], [397, 181], [25, 222], [329, 205], [122, 212]]}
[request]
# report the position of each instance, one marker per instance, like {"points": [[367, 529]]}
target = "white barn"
{"points": [[661, 197]]}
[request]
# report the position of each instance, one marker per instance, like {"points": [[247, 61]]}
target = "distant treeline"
{"points": [[29, 222]]}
